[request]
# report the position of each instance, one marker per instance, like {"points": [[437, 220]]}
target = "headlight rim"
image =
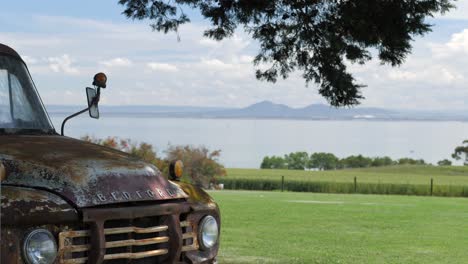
{"points": [[27, 239], [202, 222]]}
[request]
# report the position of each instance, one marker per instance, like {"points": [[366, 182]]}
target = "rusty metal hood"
{"points": [[85, 174]]}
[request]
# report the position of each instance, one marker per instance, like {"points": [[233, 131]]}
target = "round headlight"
{"points": [[40, 247], [208, 232]]}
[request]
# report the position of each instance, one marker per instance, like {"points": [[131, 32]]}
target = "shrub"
{"points": [[201, 166]]}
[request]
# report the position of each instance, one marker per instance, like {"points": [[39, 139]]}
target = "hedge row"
{"points": [[343, 187]]}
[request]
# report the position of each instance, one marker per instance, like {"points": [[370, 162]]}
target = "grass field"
{"points": [[451, 175], [274, 227]]}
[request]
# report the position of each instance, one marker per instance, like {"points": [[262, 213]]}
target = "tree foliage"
{"points": [[323, 161], [461, 152], [382, 161], [273, 162], [444, 162], [297, 160], [410, 161], [315, 37], [358, 161], [328, 161]]}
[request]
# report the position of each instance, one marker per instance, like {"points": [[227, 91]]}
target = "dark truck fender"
{"points": [[202, 204], [23, 209]]}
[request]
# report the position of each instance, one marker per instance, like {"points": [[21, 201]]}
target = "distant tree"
{"points": [[358, 161], [382, 161], [201, 166], [297, 160], [273, 162], [461, 152], [266, 163], [323, 161], [410, 161], [316, 37], [444, 162]]}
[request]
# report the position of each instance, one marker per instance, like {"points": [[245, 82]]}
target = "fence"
{"points": [[344, 187]]}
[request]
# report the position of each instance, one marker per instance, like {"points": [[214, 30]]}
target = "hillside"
{"points": [[268, 110]]}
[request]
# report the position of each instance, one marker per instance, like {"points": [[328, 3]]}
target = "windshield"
{"points": [[21, 108]]}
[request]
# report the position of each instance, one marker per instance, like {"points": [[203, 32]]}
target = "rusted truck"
{"points": [[68, 201]]}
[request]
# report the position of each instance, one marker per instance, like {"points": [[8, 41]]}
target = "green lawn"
{"points": [[452, 175], [274, 227]]}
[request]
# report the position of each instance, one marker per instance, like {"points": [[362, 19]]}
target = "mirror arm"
{"points": [[72, 116], [98, 97], [95, 101]]}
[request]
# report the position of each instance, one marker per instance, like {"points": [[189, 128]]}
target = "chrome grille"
{"points": [[120, 244], [189, 238]]}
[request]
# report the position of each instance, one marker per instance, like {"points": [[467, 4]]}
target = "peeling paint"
{"points": [[78, 170], [25, 206]]}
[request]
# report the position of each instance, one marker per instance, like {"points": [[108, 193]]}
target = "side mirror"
{"points": [[93, 101], [93, 95]]}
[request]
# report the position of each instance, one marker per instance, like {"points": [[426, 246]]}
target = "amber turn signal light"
{"points": [[2, 172], [176, 169], [100, 80]]}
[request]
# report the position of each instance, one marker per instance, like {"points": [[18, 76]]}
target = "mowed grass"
{"points": [[450, 175], [274, 227]]}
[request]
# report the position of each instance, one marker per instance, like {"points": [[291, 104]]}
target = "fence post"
{"points": [[432, 186], [355, 184], [282, 183]]}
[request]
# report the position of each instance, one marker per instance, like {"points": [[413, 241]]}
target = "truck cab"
{"points": [[68, 201]]}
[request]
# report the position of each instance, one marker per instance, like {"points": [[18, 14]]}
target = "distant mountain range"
{"points": [[269, 110]]}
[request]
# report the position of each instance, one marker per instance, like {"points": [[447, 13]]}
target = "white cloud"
{"points": [[434, 73], [246, 59], [117, 62], [162, 67], [30, 60], [209, 42], [402, 75], [62, 64], [430, 79], [216, 65], [460, 12], [212, 73], [458, 45], [450, 76]]}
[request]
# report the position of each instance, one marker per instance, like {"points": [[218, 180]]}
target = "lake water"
{"points": [[244, 143]]}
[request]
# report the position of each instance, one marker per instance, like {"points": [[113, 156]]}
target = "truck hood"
{"points": [[83, 173]]}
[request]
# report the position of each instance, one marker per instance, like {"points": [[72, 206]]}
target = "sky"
{"points": [[66, 42]]}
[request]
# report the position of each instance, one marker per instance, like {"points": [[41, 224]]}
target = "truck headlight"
{"points": [[39, 247], [208, 232]]}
